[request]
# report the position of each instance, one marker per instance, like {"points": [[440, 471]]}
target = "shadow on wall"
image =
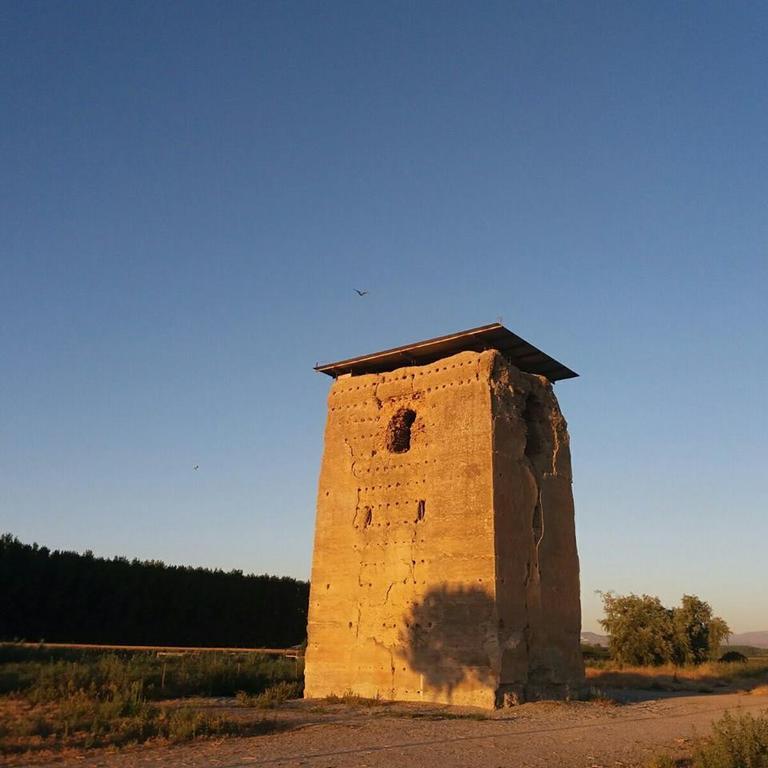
{"points": [[449, 638]]}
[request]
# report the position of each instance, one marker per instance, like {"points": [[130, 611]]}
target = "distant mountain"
{"points": [[592, 638], [756, 639]]}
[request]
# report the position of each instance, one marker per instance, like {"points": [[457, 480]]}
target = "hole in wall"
{"points": [[399, 431]]}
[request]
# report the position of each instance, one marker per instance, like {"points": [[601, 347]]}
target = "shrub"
{"points": [[737, 741]]}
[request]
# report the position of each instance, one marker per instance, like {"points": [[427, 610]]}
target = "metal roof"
{"points": [[495, 336]]}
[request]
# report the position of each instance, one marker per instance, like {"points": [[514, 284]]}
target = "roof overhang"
{"points": [[495, 336]]}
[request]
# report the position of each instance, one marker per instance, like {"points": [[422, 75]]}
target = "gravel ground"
{"points": [[577, 734]]}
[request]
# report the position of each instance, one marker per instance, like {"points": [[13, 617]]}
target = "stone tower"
{"points": [[445, 565]]}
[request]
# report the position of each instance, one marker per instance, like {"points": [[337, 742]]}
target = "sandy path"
{"points": [[567, 735]]}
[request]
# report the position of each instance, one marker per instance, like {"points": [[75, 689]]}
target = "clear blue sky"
{"points": [[189, 193]]}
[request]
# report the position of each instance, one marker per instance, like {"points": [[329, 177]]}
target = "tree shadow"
{"points": [[449, 637]]}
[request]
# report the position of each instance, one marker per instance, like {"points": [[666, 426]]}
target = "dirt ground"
{"points": [[319, 735]]}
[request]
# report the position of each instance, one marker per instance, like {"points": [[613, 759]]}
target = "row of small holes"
{"points": [[386, 525], [393, 485], [387, 504], [384, 379], [408, 396], [405, 581], [385, 562], [403, 465], [355, 548]]}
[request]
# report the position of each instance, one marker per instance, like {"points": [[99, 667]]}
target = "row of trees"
{"points": [[644, 632], [70, 597]]}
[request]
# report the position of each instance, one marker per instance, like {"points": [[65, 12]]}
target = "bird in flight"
{"points": [[359, 292], [197, 466]]}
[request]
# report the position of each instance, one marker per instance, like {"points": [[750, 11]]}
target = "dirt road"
{"points": [[582, 735]]}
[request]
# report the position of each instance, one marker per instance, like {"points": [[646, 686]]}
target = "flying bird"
{"points": [[197, 466], [359, 292]]}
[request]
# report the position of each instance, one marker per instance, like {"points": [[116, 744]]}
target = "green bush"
{"points": [[737, 741]]}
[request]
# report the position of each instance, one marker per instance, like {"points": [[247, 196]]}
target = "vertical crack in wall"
{"points": [[352, 458], [535, 417], [357, 508], [538, 526], [412, 561], [555, 440], [538, 458]]}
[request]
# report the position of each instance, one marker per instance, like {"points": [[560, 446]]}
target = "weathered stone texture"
{"points": [[445, 565]]}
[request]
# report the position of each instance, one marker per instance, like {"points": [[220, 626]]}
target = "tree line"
{"points": [[60, 596]]}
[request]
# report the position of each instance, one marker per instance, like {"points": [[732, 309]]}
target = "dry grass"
{"points": [[59, 699], [705, 678], [597, 696], [83, 722], [352, 699], [272, 697]]}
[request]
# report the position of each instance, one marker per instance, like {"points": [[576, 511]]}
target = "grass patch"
{"points": [[597, 696], [272, 697], [444, 715], [352, 699], [704, 678], [51, 698], [45, 674], [85, 723]]}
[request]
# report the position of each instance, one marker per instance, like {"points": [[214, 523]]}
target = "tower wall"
{"points": [[537, 580], [427, 582]]}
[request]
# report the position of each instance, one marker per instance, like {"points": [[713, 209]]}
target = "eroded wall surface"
{"points": [[436, 521], [537, 579]]}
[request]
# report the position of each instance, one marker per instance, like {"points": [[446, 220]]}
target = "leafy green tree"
{"points": [[643, 632], [698, 633], [640, 628]]}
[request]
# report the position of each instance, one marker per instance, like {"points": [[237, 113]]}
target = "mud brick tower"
{"points": [[445, 565]]}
